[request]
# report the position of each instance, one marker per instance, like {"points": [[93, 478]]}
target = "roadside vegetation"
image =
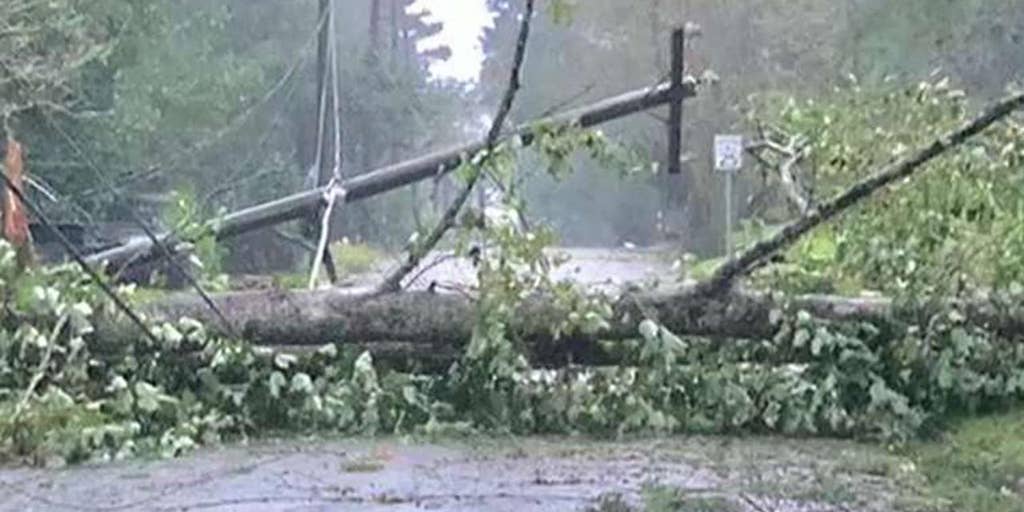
{"points": [[940, 396]]}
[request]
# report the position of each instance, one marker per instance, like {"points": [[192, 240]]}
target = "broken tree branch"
{"points": [[903, 168], [393, 282], [44, 363], [788, 153], [791, 153]]}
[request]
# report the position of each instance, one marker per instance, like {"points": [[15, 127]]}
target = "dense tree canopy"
{"points": [[217, 99], [214, 99], [756, 49]]}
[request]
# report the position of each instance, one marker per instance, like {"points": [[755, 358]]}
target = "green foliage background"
{"points": [[158, 95]]}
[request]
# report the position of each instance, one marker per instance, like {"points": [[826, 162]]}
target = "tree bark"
{"points": [[437, 325], [12, 213]]}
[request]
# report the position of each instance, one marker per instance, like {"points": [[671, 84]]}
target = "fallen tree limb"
{"points": [[393, 282], [788, 155], [900, 169], [428, 324]]}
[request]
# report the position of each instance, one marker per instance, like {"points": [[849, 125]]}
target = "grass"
{"points": [[42, 431], [978, 465], [658, 498], [363, 466], [355, 258], [349, 259]]}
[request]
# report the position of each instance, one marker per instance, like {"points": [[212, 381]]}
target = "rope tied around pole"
{"points": [[332, 194]]}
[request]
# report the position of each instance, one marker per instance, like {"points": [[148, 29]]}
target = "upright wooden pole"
{"points": [[325, 109], [675, 117], [673, 182], [323, 98]]}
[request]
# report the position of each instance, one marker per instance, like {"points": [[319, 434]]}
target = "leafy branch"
{"points": [[900, 169], [393, 282]]}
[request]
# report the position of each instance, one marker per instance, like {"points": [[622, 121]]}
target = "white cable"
{"points": [[334, 189], [333, 193]]}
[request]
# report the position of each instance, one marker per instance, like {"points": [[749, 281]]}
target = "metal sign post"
{"points": [[728, 160]]}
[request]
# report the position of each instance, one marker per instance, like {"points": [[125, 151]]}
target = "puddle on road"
{"points": [[528, 475]]}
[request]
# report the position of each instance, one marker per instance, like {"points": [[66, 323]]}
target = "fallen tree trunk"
{"points": [[437, 325]]}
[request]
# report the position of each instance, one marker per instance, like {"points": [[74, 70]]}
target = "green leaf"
{"points": [[649, 330], [284, 361], [801, 338], [411, 396], [330, 350], [276, 383], [302, 383], [148, 397]]}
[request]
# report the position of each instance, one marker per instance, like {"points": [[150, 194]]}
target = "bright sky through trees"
{"points": [[464, 22]]}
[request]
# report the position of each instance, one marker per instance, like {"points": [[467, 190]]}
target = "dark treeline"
{"points": [[216, 100]]}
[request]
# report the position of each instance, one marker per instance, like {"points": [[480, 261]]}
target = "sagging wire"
{"points": [[233, 125], [166, 251], [79, 259]]}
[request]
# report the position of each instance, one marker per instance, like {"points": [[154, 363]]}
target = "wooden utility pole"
{"points": [[398, 175], [395, 28], [673, 195], [323, 98], [325, 109], [374, 27], [675, 118]]}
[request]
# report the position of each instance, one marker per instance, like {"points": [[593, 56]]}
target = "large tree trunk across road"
{"points": [[420, 323]]}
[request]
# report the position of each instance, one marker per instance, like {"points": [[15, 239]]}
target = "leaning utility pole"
{"points": [[431, 166]]}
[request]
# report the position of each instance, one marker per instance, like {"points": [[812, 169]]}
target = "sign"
{"points": [[728, 153]]}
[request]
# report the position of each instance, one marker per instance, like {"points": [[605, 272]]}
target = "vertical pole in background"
{"points": [[728, 215], [326, 109], [324, 98], [672, 196], [675, 117]]}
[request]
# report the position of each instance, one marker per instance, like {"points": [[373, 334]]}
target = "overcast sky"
{"points": [[464, 22]]}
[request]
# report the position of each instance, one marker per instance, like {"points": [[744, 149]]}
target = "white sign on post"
{"points": [[729, 161], [728, 153]]}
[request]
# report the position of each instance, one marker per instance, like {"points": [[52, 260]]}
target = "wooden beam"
{"points": [[395, 176]]}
